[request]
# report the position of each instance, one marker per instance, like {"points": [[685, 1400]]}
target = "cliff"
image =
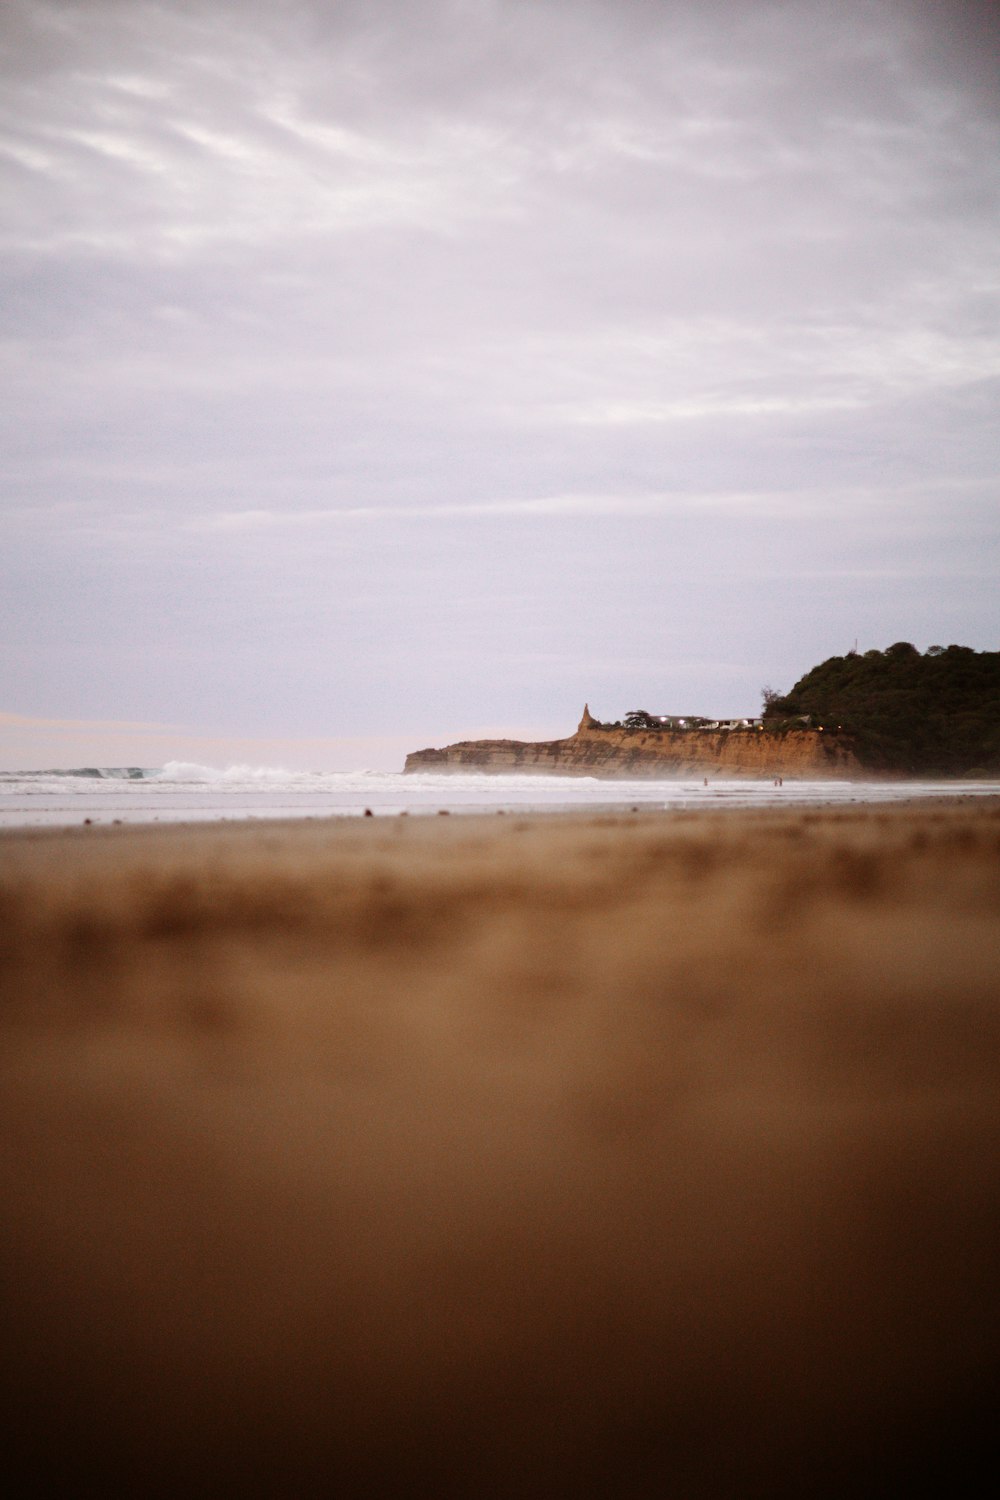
{"points": [[625, 753]]}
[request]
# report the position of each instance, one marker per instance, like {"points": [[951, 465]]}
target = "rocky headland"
{"points": [[618, 752]]}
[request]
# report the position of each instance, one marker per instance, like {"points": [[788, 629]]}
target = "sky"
{"points": [[380, 374]]}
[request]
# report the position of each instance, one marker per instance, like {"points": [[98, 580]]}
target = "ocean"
{"points": [[184, 792]]}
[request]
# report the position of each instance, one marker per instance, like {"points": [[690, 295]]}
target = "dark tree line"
{"points": [[936, 713]]}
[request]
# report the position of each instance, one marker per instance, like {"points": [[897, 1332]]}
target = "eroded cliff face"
{"points": [[626, 753]]}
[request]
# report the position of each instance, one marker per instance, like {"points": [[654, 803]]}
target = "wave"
{"points": [[86, 773], [182, 772], [192, 773], [189, 771]]}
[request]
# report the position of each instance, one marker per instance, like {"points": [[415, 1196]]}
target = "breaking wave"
{"points": [[86, 773], [185, 791], [191, 772]]}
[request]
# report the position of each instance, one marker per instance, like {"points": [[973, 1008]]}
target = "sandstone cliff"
{"points": [[623, 753]]}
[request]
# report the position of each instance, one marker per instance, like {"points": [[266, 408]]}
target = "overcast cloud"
{"points": [[391, 373]]}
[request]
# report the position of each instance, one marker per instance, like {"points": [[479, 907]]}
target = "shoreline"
{"points": [[206, 808], [513, 1155]]}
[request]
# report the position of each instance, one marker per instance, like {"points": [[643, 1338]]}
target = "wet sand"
{"points": [[622, 1154]]}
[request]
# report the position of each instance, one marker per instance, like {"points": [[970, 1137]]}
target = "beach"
{"points": [[645, 1153]]}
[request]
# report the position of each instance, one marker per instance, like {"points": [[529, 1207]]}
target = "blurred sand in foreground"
{"points": [[614, 1154]]}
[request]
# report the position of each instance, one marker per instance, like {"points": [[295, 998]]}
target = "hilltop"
{"points": [[934, 713]]}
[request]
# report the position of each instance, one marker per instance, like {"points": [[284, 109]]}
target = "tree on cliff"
{"points": [[938, 712]]}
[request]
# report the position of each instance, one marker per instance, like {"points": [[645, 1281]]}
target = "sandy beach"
{"points": [[648, 1154]]}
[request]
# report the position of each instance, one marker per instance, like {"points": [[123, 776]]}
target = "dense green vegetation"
{"points": [[936, 713]]}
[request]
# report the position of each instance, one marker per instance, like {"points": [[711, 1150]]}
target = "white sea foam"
{"points": [[190, 772], [185, 791]]}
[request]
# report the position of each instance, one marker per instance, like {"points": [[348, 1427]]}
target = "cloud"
{"points": [[334, 332]]}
